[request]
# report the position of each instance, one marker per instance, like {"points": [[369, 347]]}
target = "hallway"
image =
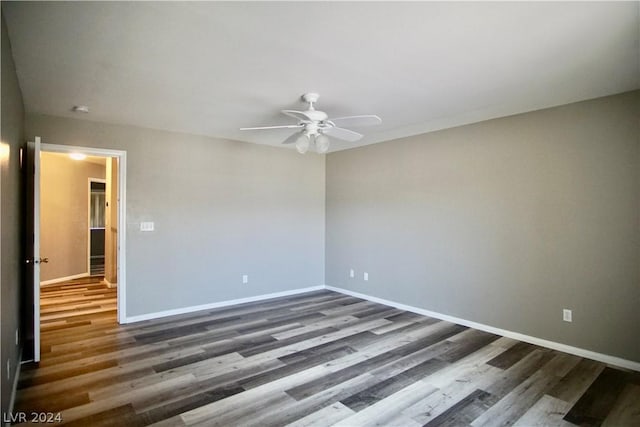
{"points": [[73, 311]]}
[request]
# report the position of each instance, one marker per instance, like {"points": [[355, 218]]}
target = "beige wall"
{"points": [[111, 223], [504, 222], [64, 215]]}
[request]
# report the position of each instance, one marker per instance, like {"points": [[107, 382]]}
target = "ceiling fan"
{"points": [[317, 126]]}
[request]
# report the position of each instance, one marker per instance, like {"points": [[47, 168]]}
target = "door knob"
{"points": [[37, 261]]}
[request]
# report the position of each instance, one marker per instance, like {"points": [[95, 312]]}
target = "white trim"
{"points": [[209, 306], [37, 172], [121, 275], [89, 151], [121, 155], [604, 358], [14, 388], [63, 279], [109, 284], [600, 357]]}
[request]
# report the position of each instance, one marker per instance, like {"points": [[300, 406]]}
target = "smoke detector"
{"points": [[80, 109]]}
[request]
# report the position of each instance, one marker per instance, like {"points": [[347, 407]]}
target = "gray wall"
{"points": [[10, 214], [221, 209], [504, 222], [64, 214]]}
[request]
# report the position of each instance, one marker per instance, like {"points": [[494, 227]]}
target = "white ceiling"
{"points": [[211, 68]]}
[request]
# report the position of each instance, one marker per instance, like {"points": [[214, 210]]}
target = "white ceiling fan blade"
{"points": [[274, 127], [292, 138], [298, 115], [344, 134], [364, 120]]}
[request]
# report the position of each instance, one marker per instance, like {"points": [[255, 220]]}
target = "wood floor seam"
{"points": [[315, 359]]}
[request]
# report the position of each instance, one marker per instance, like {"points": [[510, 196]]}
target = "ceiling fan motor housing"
{"points": [[311, 128], [316, 116], [316, 124]]}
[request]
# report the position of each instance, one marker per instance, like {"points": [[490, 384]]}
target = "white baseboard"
{"points": [[604, 358], [600, 357], [209, 306], [14, 388], [109, 284], [63, 279]]}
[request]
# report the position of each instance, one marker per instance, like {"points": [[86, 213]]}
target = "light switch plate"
{"points": [[147, 226]]}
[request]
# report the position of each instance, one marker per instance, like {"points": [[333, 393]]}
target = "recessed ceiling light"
{"points": [[78, 156], [80, 109]]}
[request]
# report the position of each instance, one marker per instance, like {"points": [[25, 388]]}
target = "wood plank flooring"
{"points": [[315, 359]]}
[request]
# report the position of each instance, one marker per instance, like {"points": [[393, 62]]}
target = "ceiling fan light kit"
{"points": [[316, 124], [322, 143], [302, 143]]}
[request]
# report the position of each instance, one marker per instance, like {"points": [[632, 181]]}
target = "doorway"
{"points": [[98, 206], [67, 269]]}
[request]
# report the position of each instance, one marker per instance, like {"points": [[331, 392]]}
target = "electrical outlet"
{"points": [[567, 315], [8, 369], [352, 273], [245, 278], [365, 276], [147, 226]]}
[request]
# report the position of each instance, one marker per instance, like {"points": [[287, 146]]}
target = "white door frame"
{"points": [[122, 211], [35, 162]]}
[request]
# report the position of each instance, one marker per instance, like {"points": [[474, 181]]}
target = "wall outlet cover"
{"points": [[147, 226], [567, 315]]}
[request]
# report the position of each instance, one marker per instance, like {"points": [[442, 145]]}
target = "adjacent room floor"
{"points": [[319, 358]]}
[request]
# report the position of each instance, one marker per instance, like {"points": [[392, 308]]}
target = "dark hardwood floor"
{"points": [[320, 358]]}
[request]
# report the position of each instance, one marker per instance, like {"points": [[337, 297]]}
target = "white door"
{"points": [[33, 244]]}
